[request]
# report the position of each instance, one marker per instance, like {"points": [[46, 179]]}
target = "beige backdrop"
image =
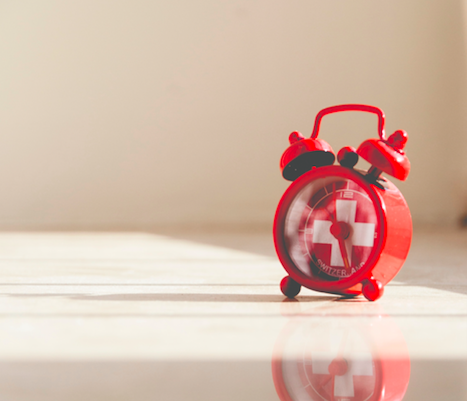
{"points": [[135, 114]]}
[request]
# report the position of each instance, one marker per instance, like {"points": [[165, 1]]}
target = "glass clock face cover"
{"points": [[331, 229]]}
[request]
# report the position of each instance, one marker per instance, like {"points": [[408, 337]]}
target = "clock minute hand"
{"points": [[344, 252], [341, 230]]}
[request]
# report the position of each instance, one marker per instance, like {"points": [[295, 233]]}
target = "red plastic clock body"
{"points": [[341, 230], [392, 237]]}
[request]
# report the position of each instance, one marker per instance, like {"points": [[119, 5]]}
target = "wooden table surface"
{"points": [[199, 316]]}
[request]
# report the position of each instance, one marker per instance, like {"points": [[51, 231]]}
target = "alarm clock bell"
{"points": [[304, 154]]}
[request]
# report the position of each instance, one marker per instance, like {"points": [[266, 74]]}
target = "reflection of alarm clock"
{"points": [[345, 359], [338, 229]]}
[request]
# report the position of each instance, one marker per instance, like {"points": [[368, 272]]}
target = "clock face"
{"points": [[331, 228]]}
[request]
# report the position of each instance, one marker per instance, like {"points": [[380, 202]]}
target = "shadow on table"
{"points": [[182, 297]]}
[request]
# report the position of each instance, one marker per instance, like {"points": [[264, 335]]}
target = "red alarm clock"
{"points": [[345, 359], [339, 229]]}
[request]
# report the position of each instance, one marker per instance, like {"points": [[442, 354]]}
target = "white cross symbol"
{"points": [[362, 234]]}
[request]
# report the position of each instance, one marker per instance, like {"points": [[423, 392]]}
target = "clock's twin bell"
{"points": [[384, 155]]}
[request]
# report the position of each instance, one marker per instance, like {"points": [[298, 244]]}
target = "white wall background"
{"points": [[135, 114]]}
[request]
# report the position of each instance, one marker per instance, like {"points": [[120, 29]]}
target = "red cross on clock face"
{"points": [[331, 229]]}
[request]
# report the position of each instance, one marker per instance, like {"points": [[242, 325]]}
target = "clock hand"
{"points": [[332, 216], [341, 230], [334, 196], [344, 252]]}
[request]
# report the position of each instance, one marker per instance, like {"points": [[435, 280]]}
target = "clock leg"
{"points": [[372, 289], [289, 287]]}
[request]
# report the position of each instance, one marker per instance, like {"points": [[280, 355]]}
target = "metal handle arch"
{"points": [[351, 107]]}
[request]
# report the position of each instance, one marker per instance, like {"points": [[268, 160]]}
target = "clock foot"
{"points": [[289, 287], [372, 289]]}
